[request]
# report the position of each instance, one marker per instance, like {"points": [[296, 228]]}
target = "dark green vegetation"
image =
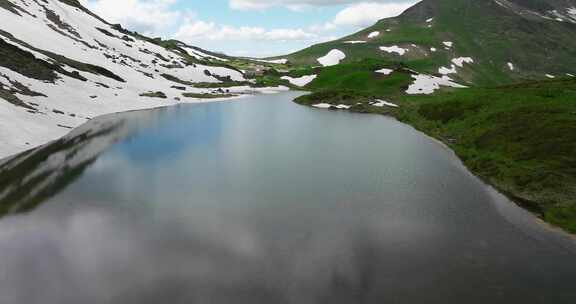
{"points": [[9, 6], [16, 59], [358, 102], [207, 96], [360, 76], [154, 95], [336, 97], [13, 99], [24, 62]]}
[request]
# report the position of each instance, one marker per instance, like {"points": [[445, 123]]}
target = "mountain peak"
{"points": [[558, 10]]}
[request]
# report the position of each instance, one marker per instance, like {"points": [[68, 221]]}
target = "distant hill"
{"points": [[474, 42]]}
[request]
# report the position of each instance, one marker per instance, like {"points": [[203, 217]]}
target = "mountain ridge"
{"points": [[503, 38]]}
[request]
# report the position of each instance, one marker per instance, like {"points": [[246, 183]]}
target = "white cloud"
{"points": [[201, 30], [362, 15], [162, 18], [365, 14], [146, 16], [297, 4]]}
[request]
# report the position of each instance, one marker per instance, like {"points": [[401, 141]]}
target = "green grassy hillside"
{"points": [[361, 77], [489, 33]]}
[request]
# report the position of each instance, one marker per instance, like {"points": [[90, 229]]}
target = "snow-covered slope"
{"points": [[61, 65], [558, 10]]}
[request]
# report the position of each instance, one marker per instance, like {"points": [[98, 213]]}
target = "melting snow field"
{"points": [[447, 71], [332, 58], [301, 81], [459, 62], [322, 105], [329, 106], [426, 84], [382, 103], [572, 12], [343, 107], [394, 49]]}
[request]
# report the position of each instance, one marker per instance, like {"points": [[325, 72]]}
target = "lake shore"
{"points": [[493, 132], [45, 131]]}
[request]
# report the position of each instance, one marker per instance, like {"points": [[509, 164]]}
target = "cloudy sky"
{"points": [[247, 27]]}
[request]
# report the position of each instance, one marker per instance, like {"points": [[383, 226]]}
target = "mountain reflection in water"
{"points": [[264, 201]]}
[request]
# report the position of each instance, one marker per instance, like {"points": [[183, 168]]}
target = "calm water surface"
{"points": [[264, 201]]}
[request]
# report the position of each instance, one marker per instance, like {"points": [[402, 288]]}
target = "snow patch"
{"points": [[394, 49], [343, 107], [448, 44], [550, 76], [300, 81], [433, 49], [382, 103], [426, 84], [355, 42], [385, 71], [456, 62], [446, 71], [199, 54], [429, 20], [332, 58], [330, 106], [511, 66], [459, 62], [571, 13], [373, 35]]}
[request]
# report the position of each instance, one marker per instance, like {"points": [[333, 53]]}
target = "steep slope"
{"points": [[480, 42], [61, 65]]}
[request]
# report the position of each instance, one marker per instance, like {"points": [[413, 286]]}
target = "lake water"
{"points": [[261, 200]]}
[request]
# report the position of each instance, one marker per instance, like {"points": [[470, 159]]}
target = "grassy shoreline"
{"points": [[521, 139]]}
